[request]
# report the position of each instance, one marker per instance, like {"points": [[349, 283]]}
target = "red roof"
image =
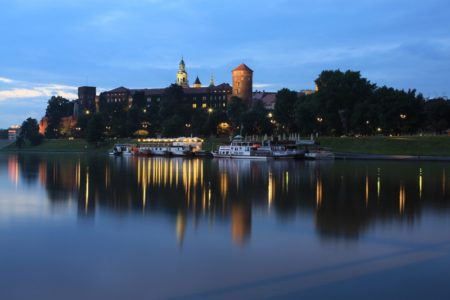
{"points": [[243, 67]]}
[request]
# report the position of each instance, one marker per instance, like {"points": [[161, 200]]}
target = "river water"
{"points": [[98, 227]]}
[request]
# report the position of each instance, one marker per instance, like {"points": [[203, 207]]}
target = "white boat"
{"points": [[122, 150], [240, 149], [181, 146]]}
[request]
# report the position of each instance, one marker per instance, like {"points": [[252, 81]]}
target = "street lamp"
{"points": [[187, 125], [319, 119], [270, 115], [402, 116], [210, 110]]}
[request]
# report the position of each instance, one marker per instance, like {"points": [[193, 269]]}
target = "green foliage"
{"points": [[95, 129], [236, 110], [437, 115], [285, 108], [256, 121], [57, 108], [29, 131], [3, 134]]}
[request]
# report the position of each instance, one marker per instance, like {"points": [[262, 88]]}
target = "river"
{"points": [[98, 227]]}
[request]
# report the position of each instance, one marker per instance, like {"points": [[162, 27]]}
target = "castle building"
{"points": [[242, 78], [86, 98]]}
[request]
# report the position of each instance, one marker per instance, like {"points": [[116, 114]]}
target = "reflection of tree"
{"points": [[345, 197]]}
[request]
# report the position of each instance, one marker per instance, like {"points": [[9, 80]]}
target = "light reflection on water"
{"points": [[344, 196], [259, 203]]}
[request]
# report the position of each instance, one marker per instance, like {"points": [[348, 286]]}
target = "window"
{"points": [[204, 105], [194, 105]]}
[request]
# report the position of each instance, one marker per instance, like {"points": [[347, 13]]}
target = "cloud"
{"points": [[262, 85], [6, 80], [39, 90]]}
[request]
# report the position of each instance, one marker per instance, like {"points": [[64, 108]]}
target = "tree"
{"points": [[57, 108], [437, 115], [95, 129], [306, 114], [256, 120], [236, 110], [338, 94], [30, 131], [284, 111], [400, 111]]}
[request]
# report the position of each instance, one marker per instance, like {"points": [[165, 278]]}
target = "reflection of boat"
{"points": [[319, 154], [256, 150], [123, 150]]}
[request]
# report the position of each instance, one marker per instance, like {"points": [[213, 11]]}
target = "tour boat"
{"points": [[181, 146], [241, 149]]}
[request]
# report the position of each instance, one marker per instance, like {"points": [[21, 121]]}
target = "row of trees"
{"points": [[345, 103]]}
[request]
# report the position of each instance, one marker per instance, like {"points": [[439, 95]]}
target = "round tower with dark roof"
{"points": [[243, 82]]}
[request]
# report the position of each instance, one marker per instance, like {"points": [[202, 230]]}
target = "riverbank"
{"points": [[392, 148], [410, 146], [63, 146]]}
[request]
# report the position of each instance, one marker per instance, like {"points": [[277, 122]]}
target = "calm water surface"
{"points": [[94, 227]]}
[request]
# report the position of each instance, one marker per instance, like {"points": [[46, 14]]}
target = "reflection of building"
{"points": [[241, 223]]}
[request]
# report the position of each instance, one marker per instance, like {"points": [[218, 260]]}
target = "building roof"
{"points": [[267, 98], [243, 67], [197, 81], [119, 89]]}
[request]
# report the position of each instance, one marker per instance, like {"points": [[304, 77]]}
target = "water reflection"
{"points": [[342, 198]]}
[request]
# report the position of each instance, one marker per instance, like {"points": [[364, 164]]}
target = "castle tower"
{"points": [[243, 82], [182, 76], [197, 83]]}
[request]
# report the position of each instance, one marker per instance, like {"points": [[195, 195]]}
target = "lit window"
{"points": [[194, 105], [204, 105]]}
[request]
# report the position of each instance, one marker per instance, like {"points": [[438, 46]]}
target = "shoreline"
{"points": [[338, 155]]}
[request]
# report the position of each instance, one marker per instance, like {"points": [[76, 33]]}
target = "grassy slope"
{"points": [[61, 146], [415, 145]]}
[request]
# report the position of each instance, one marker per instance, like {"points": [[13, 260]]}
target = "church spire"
{"points": [[211, 83], [182, 76]]}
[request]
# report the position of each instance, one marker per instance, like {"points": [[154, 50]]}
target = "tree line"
{"points": [[345, 103]]}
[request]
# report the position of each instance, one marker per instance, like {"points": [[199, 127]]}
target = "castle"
{"points": [[211, 96]]}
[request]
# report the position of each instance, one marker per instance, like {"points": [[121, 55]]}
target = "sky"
{"points": [[50, 47]]}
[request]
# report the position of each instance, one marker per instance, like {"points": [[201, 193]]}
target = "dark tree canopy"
{"points": [[57, 108], [30, 131]]}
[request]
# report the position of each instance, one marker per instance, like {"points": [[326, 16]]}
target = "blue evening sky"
{"points": [[50, 47]]}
